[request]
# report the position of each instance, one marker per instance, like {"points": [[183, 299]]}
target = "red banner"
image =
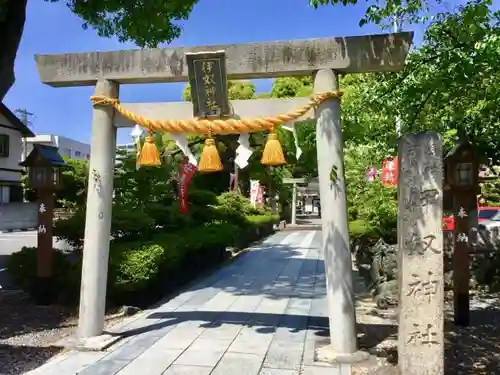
{"points": [[186, 173], [389, 175]]}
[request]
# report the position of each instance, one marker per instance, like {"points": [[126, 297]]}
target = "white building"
{"points": [[12, 131], [66, 146], [129, 147]]}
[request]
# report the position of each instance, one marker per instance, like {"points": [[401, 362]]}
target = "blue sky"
{"points": [[52, 28]]}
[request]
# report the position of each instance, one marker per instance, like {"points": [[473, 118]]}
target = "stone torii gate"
{"points": [[294, 182], [323, 58]]}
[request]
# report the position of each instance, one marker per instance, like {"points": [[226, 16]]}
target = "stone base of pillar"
{"points": [[44, 291], [89, 344], [326, 354]]}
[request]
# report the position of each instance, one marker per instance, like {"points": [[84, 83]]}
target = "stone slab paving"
{"points": [[260, 315]]}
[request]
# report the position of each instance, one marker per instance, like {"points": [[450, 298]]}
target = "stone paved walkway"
{"points": [[261, 315]]}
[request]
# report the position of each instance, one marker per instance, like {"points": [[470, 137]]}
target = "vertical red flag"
{"points": [[389, 175], [186, 173]]}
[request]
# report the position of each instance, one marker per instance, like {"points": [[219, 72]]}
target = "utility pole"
{"points": [[24, 115]]}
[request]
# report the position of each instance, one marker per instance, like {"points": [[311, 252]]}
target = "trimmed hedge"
{"points": [[22, 267], [141, 272]]}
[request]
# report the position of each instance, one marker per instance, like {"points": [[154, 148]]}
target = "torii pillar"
{"points": [[323, 57]]}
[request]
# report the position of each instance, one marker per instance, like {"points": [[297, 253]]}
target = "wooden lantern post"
{"points": [[462, 177], [44, 164]]}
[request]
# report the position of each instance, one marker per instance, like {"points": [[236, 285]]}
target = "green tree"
{"points": [[145, 22], [363, 121], [388, 13], [452, 81], [236, 90], [360, 123], [73, 191], [291, 87]]}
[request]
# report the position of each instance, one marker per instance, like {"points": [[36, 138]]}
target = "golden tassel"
{"points": [[210, 159], [149, 156], [273, 153]]}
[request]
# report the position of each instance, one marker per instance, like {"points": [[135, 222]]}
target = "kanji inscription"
{"points": [[420, 264], [423, 335], [426, 287], [208, 81], [416, 244]]}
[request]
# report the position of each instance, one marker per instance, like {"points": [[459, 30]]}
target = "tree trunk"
{"points": [[12, 18]]}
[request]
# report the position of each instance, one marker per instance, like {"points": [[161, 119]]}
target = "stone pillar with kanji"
{"points": [[420, 255]]}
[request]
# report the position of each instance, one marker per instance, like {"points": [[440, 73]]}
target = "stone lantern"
{"points": [[462, 183], [44, 171]]}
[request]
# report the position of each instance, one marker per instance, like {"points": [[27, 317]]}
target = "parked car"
{"points": [[488, 214], [491, 223], [485, 215]]}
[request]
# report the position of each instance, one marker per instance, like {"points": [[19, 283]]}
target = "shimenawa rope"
{"points": [[272, 155]]}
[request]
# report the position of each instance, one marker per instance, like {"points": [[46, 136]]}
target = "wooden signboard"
{"points": [[208, 81]]}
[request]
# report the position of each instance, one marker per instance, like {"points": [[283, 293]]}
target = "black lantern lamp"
{"points": [[44, 167], [462, 167], [464, 174]]}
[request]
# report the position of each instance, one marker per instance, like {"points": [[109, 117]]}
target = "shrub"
{"points": [[139, 271], [234, 208], [125, 224], [202, 197], [142, 270], [360, 230], [233, 202], [260, 220], [66, 274], [133, 266], [72, 229], [168, 217]]}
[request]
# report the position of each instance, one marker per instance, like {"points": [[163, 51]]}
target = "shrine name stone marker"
{"points": [[420, 241]]}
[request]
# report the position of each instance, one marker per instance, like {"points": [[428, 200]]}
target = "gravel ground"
{"points": [[28, 332], [473, 350]]}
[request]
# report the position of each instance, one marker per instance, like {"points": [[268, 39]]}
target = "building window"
{"points": [[88, 156], [4, 146], [4, 194], [67, 151], [16, 194], [78, 154]]}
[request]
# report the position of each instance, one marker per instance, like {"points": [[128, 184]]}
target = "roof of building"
{"points": [[49, 155], [15, 122]]}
